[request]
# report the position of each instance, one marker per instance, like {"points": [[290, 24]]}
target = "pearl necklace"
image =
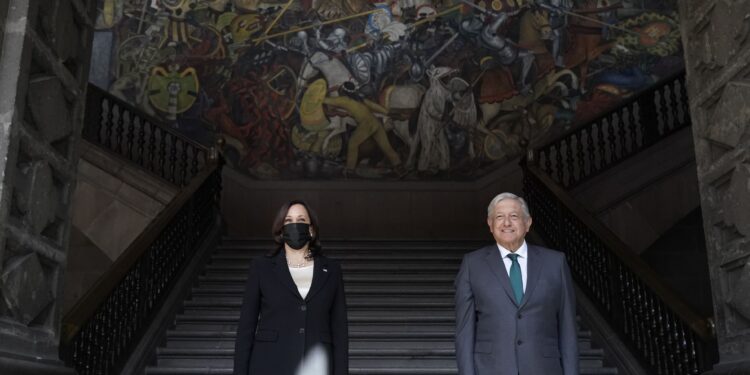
{"points": [[298, 265], [307, 258]]}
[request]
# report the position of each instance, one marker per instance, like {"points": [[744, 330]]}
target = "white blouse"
{"points": [[302, 277]]}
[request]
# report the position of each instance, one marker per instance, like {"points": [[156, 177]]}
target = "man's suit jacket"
{"points": [[497, 336], [278, 327]]}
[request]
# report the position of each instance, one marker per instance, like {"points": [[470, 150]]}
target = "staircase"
{"points": [[400, 304]]}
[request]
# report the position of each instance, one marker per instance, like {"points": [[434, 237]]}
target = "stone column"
{"points": [[716, 36], [43, 71]]}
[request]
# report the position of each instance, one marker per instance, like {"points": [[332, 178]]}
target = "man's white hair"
{"points": [[507, 195]]}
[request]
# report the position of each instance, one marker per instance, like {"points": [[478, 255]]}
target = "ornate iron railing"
{"points": [[667, 334], [103, 327], [616, 135], [125, 130]]}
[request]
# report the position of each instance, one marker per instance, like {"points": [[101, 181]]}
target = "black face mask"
{"points": [[296, 235]]}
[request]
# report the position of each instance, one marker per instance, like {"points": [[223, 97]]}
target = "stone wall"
{"points": [[43, 74], [716, 35], [371, 210]]}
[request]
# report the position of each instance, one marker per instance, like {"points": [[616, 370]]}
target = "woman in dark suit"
{"points": [[294, 301]]}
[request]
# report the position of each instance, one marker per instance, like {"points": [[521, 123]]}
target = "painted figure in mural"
{"points": [[558, 21], [484, 28], [368, 126], [445, 87], [496, 87], [403, 102], [369, 67], [586, 42], [293, 274], [434, 153], [329, 64]]}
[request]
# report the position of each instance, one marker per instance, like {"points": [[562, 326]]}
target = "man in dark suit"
{"points": [[515, 303]]}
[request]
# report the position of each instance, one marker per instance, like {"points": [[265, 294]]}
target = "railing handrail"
{"points": [[656, 86], [93, 89], [87, 306], [702, 326]]}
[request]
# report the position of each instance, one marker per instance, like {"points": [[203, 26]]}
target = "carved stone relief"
{"points": [[36, 195], [738, 296], [729, 126], [25, 288], [737, 201], [49, 108], [718, 32]]}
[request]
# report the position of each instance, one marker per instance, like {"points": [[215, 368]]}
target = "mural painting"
{"points": [[405, 89]]}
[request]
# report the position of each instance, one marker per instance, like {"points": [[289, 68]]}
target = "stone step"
{"points": [[356, 279], [355, 333], [393, 316], [353, 303], [588, 355], [332, 246], [353, 291], [353, 343], [352, 371], [399, 357], [414, 326], [353, 267], [352, 256], [206, 339]]}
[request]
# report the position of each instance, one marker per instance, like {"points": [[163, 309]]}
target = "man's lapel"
{"points": [[320, 276], [534, 269], [281, 270], [495, 262]]}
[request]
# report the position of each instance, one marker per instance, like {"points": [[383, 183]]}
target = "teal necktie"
{"points": [[516, 282]]}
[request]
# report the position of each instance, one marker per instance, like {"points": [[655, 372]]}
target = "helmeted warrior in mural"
{"points": [[485, 29], [558, 20]]}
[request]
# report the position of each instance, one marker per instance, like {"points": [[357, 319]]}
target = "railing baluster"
{"points": [[141, 140], [590, 156], [547, 161], [559, 165], [580, 154], [129, 135], [194, 164], [109, 124], [172, 164], [664, 111], [163, 154], [183, 163], [119, 131]]}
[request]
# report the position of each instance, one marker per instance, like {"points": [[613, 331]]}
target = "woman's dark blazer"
{"points": [[277, 326]]}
